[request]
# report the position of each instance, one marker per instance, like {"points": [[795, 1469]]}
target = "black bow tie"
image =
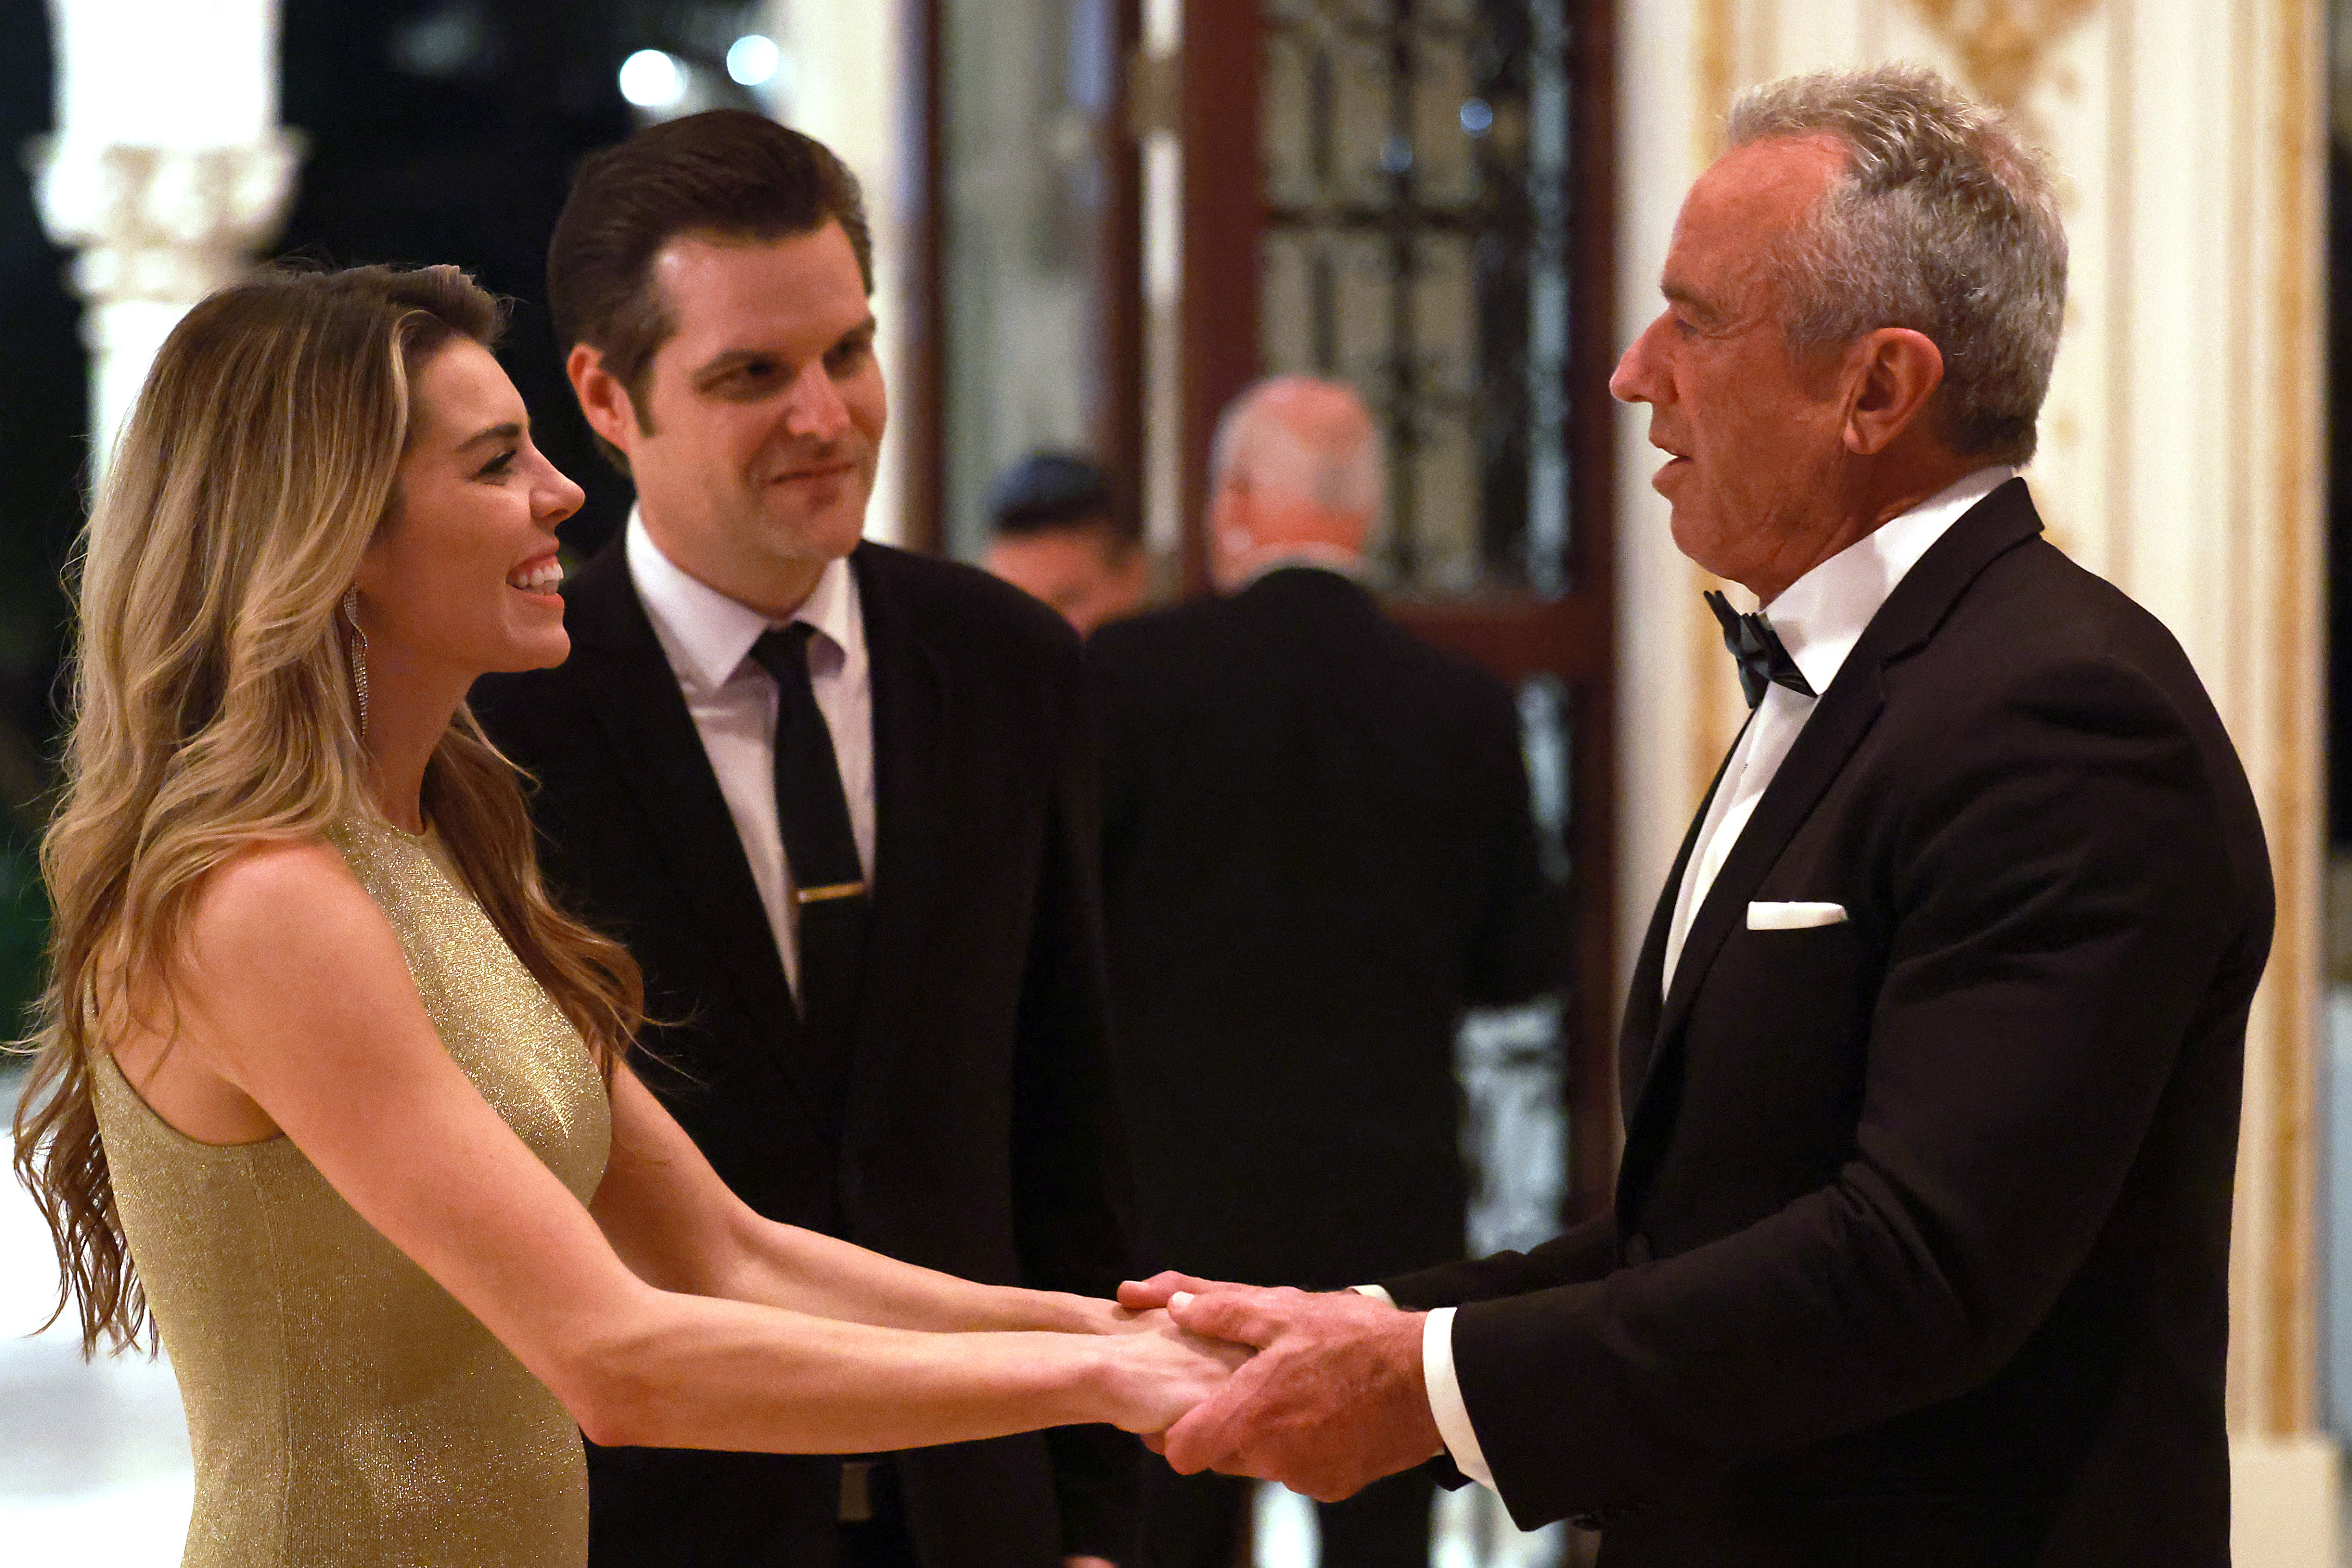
{"points": [[1762, 660]]}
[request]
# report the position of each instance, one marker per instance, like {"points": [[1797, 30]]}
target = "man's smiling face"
{"points": [[1754, 438], [763, 414]]}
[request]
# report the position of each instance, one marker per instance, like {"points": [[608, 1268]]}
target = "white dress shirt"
{"points": [[708, 638], [1820, 617]]}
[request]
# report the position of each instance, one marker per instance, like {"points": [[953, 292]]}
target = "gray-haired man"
{"points": [[1931, 1062]]}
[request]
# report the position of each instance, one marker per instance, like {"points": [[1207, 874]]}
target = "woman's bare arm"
{"points": [[675, 1223], [298, 995]]}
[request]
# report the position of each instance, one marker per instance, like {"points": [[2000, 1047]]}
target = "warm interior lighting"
{"points": [[751, 60], [652, 79]]}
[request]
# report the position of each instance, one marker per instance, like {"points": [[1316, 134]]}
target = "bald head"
{"points": [[1296, 472]]}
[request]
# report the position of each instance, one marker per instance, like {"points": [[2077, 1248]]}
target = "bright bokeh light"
{"points": [[751, 60], [651, 80]]}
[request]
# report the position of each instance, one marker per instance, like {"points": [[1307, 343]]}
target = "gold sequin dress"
{"points": [[344, 1409]]}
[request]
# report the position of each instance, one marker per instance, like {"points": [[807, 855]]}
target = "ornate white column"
{"points": [[2181, 458], [166, 171]]}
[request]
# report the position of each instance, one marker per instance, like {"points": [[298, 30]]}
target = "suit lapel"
{"points": [[1839, 721], [911, 792], [659, 755], [1639, 1033]]}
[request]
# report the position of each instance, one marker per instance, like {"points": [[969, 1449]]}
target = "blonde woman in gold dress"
{"points": [[328, 1091]]}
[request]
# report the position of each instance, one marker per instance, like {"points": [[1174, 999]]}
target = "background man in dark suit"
{"points": [[1317, 851], [1058, 533], [1931, 1063], [837, 800]]}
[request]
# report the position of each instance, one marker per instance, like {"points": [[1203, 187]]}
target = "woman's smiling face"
{"points": [[461, 580]]}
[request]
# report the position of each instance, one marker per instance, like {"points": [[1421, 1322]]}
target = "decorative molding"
{"points": [[1714, 78], [167, 224], [2292, 527], [2001, 45], [158, 227]]}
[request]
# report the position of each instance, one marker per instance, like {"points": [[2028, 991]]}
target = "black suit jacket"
{"points": [[980, 1136], [1919, 1246], [1317, 851]]}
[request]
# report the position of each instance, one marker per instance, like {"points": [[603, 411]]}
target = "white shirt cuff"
{"points": [[1378, 1292], [1446, 1398]]}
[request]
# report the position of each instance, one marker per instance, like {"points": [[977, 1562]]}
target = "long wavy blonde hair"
{"points": [[213, 701]]}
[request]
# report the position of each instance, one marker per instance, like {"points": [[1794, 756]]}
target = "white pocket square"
{"points": [[1793, 916]]}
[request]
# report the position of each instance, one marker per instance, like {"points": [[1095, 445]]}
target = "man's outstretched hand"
{"points": [[1333, 1401], [1142, 1295]]}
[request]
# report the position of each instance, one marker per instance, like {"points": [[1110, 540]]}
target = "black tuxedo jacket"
{"points": [[980, 1136], [1919, 1245], [1317, 851]]}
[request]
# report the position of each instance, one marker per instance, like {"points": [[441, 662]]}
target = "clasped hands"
{"points": [[1333, 1399]]}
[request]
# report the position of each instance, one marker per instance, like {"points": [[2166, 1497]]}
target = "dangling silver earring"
{"points": [[358, 653]]}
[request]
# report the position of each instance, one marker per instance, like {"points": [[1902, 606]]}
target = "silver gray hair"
{"points": [[1944, 223], [1307, 439]]}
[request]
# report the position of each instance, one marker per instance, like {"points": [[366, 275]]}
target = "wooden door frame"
{"points": [[1118, 424], [920, 400], [1220, 74], [1219, 77], [1572, 636]]}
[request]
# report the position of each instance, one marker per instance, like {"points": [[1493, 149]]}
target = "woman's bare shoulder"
{"points": [[275, 933], [268, 867], [286, 903]]}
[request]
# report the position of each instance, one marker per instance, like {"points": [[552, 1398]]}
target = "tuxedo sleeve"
{"points": [[2063, 905], [1586, 1252], [1072, 1200]]}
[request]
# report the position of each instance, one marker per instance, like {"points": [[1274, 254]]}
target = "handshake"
{"points": [[1323, 1392]]}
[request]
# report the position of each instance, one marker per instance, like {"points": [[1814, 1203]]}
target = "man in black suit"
{"points": [[1931, 1063], [1316, 852], [837, 800], [1058, 533]]}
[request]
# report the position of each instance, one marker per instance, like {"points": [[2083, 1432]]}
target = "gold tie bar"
{"points": [[830, 891]]}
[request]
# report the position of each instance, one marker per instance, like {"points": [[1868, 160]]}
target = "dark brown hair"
{"points": [[728, 173], [1060, 492]]}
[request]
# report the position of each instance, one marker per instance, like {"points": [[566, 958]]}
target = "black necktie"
{"points": [[1762, 660], [828, 879]]}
